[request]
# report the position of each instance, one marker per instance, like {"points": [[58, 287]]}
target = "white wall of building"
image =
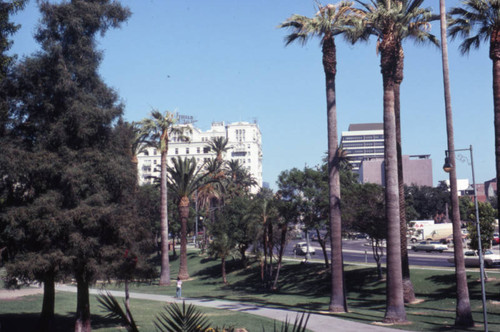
{"points": [[244, 142]]}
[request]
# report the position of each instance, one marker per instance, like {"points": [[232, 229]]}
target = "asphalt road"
{"points": [[360, 251]]}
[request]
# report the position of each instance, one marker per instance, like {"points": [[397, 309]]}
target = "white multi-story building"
{"points": [[363, 141], [244, 143]]}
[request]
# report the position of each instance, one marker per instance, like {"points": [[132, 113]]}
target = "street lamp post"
{"points": [[447, 168]]}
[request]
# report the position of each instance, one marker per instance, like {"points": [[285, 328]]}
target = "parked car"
{"points": [[496, 239], [430, 246], [471, 258], [358, 236], [301, 249]]}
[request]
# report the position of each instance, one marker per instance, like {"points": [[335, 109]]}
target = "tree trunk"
{"points": [[495, 57], [184, 215], [127, 302], [378, 252], [337, 299], [165, 263], [322, 243], [223, 266], [284, 229], [83, 306], [46, 322], [408, 291], [395, 310], [244, 260], [463, 310]]}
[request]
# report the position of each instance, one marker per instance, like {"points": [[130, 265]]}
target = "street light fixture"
{"points": [[447, 167]]}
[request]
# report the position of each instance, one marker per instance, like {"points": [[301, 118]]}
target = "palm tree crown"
{"points": [[219, 146], [481, 17]]}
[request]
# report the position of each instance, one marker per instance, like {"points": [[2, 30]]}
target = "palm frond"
{"points": [[177, 319], [299, 325], [109, 303]]}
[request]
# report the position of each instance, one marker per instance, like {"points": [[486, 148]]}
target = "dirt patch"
{"points": [[7, 294]]}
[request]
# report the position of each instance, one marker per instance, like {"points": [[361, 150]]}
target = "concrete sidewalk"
{"points": [[317, 322]]}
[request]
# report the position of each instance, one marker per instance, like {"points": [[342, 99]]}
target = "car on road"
{"points": [[358, 236], [471, 258], [496, 239], [301, 249], [429, 246]]}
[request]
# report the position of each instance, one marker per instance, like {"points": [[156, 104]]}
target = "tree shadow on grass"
{"points": [[22, 322]]}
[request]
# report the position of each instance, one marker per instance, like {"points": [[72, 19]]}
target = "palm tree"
{"points": [[239, 180], [219, 146], [184, 179], [481, 19], [392, 21], [329, 21], [464, 314], [157, 131]]}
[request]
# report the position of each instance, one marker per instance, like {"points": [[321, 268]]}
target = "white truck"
{"points": [[423, 230]]}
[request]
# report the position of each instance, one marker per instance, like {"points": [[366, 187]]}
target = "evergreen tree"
{"points": [[68, 202]]}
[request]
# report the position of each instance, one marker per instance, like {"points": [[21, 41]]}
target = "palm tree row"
{"points": [[187, 180], [391, 22]]}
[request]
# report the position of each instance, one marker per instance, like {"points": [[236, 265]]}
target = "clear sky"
{"points": [[225, 60]]}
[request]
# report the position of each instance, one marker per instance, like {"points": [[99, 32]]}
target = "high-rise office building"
{"points": [[244, 143], [363, 141]]}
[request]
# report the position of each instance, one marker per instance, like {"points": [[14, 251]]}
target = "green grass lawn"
{"points": [[301, 287]]}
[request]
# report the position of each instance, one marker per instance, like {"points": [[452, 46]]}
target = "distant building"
{"points": [[490, 188], [363, 141], [417, 170], [244, 143]]}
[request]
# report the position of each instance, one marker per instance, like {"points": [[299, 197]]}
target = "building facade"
{"points": [[417, 170], [363, 141], [244, 143]]}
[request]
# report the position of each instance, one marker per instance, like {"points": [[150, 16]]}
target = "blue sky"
{"points": [[225, 60]]}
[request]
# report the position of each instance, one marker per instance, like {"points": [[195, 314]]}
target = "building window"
{"points": [[379, 144], [353, 138], [176, 150], [187, 150], [206, 149], [369, 137], [155, 152], [352, 145], [198, 150], [378, 137], [154, 161]]}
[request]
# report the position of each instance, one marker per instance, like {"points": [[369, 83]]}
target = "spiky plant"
{"points": [[175, 318]]}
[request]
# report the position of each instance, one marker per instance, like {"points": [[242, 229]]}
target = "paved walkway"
{"points": [[317, 322]]}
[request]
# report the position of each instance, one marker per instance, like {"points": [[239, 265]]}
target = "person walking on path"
{"points": [[179, 288]]}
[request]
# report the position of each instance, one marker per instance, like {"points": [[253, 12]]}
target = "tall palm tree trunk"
{"points": [[408, 291], [165, 263], [395, 310], [184, 215], [337, 299], [463, 310], [495, 57]]}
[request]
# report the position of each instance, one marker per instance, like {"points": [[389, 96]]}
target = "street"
{"points": [[360, 251]]}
